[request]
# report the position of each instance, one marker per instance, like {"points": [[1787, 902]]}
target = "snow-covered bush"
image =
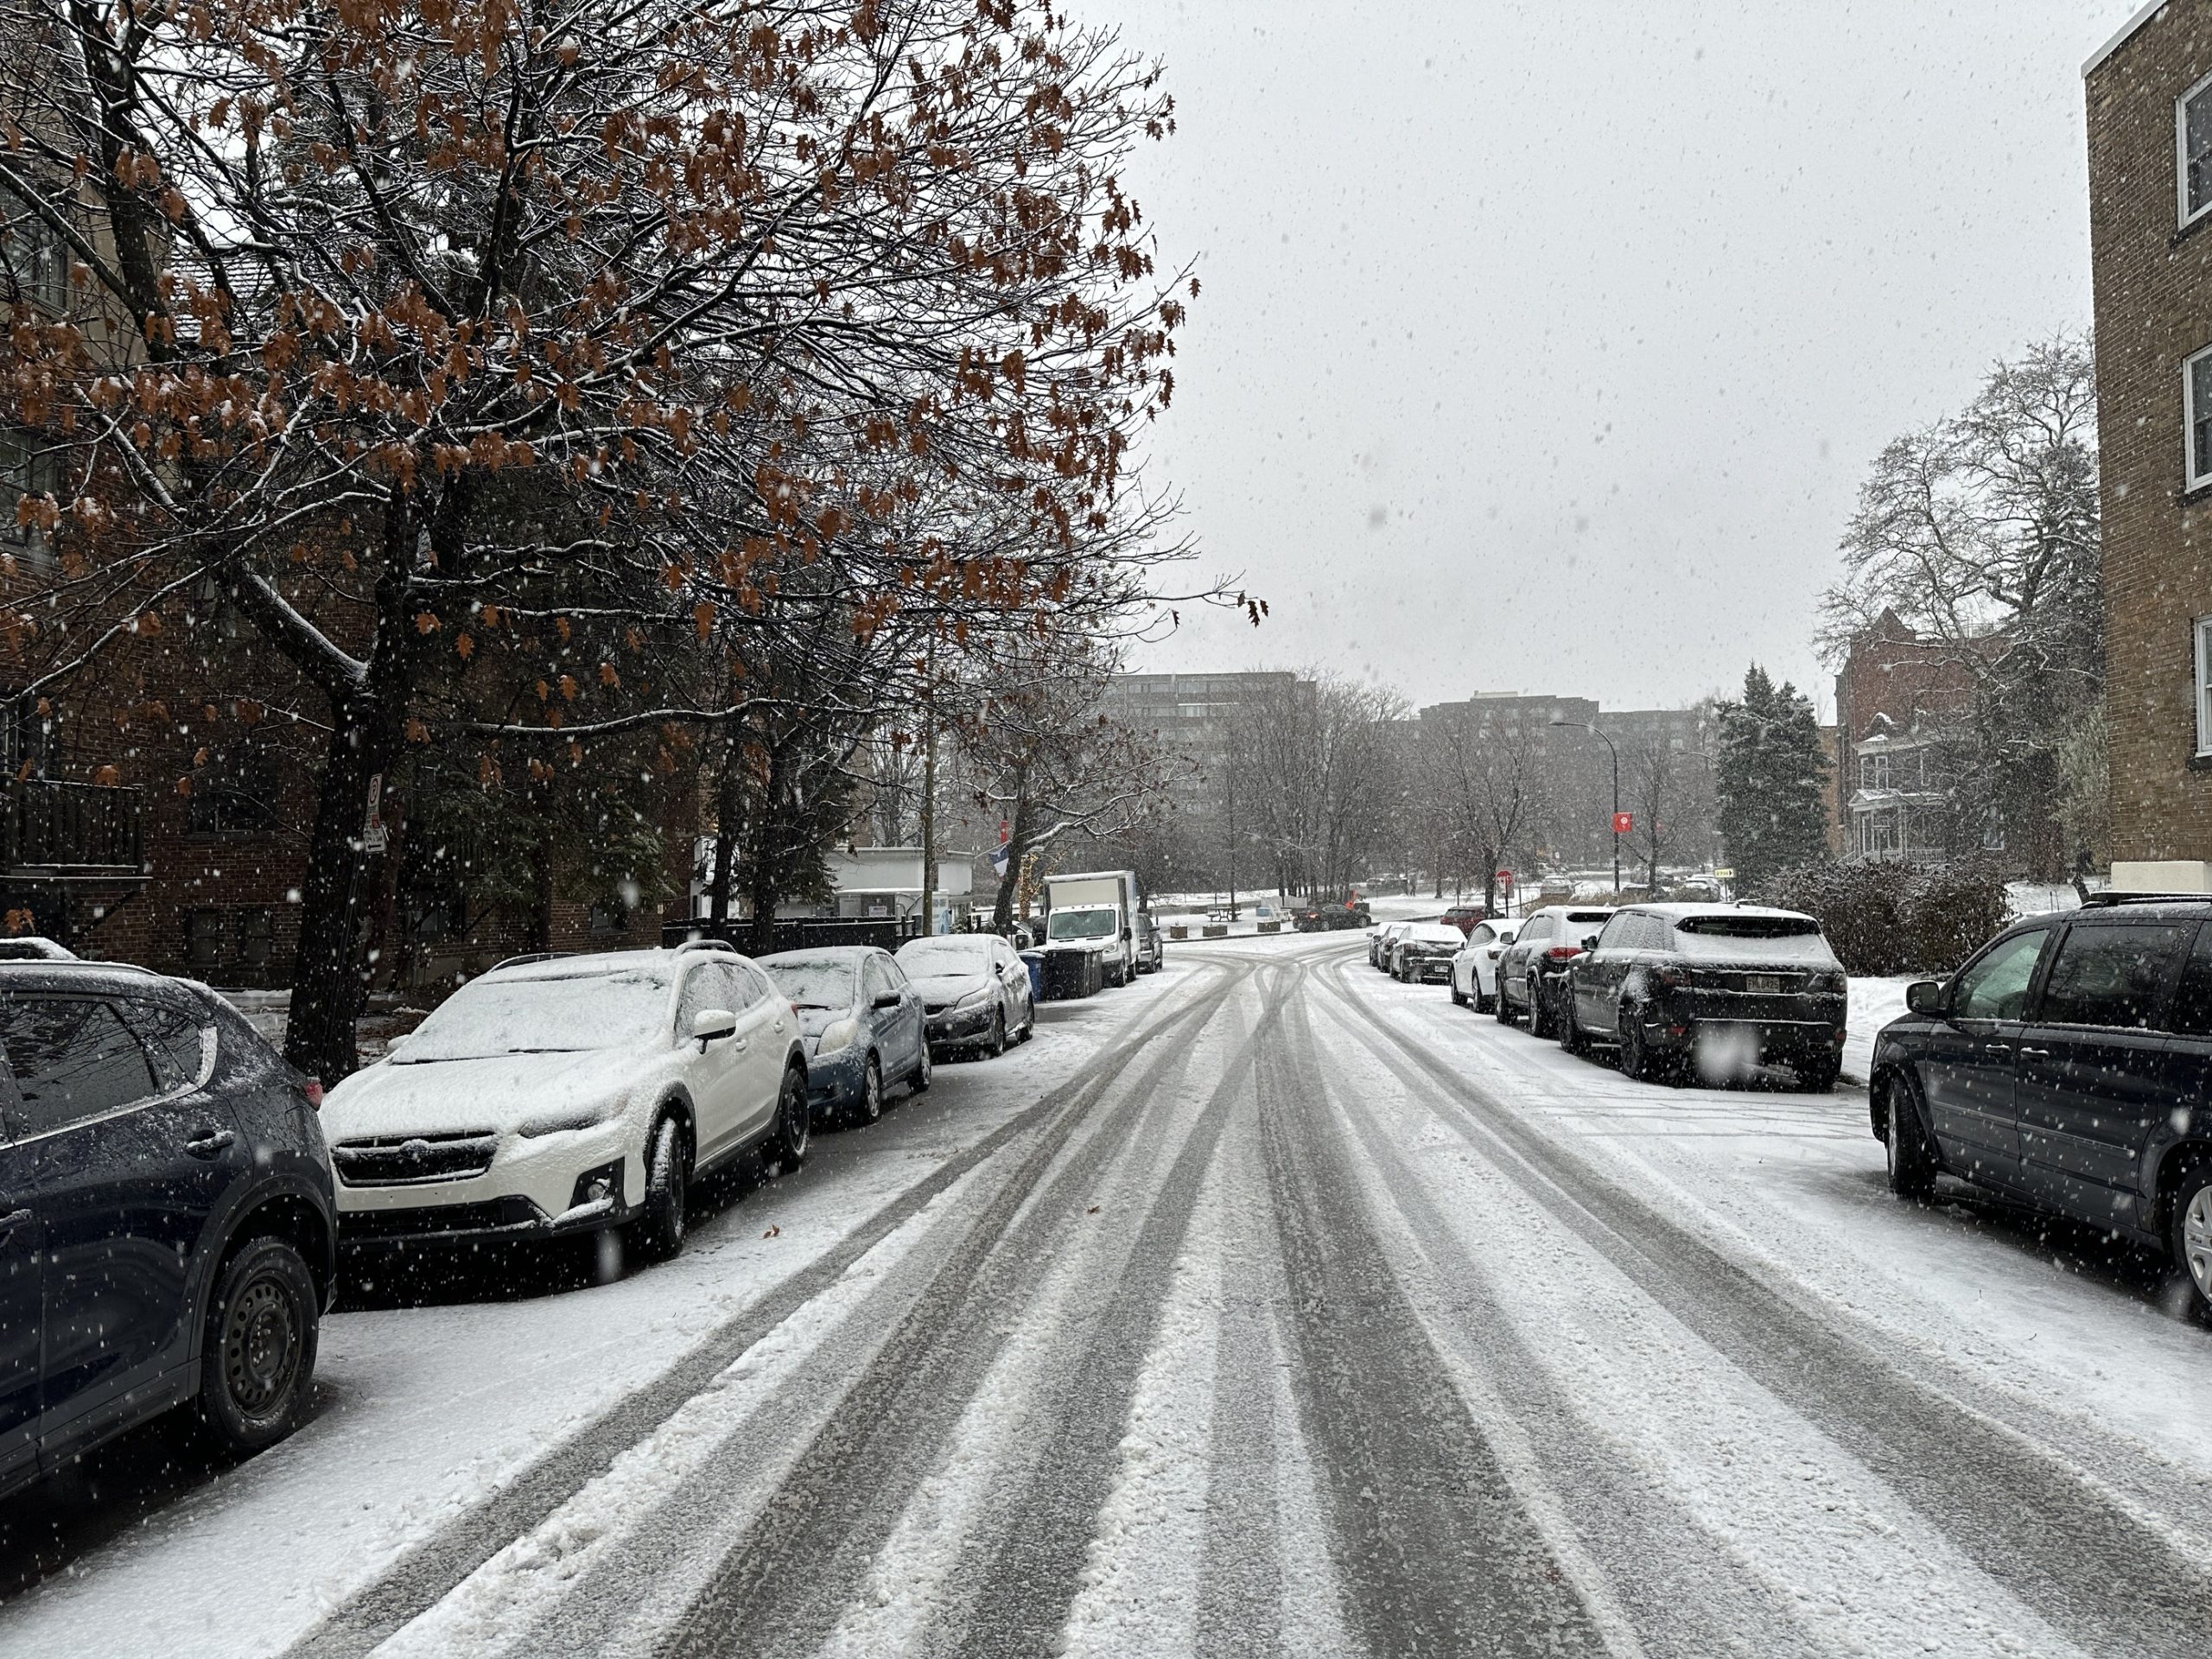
{"points": [[1884, 917]]}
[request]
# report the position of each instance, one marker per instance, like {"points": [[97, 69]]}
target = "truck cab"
{"points": [[1102, 910]]}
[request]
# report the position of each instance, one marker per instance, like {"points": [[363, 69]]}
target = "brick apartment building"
{"points": [[2148, 94]]}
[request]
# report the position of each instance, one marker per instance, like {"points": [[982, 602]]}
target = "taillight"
{"points": [[1676, 976], [311, 1088], [1564, 952]]}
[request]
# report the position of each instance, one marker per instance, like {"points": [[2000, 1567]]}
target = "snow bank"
{"points": [[1875, 1001]]}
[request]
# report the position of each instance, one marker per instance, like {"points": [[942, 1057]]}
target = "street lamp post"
{"points": [[1582, 726]]}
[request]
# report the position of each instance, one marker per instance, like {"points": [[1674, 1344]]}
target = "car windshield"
{"points": [[1080, 924], [927, 958], [813, 982], [546, 1015]]}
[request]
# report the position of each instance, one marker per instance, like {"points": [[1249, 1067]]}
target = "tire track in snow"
{"points": [[1018, 1594], [2109, 1578], [780, 1589], [433, 1567], [1434, 1550]]}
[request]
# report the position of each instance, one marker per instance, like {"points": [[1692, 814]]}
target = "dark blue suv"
{"points": [[2067, 1063], [166, 1215]]}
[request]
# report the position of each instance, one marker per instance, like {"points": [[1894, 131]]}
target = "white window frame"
{"points": [[2191, 479], [2183, 218], [2201, 632]]}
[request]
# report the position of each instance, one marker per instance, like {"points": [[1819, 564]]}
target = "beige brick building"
{"points": [[2150, 131]]}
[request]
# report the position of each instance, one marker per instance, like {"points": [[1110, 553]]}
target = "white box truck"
{"points": [[1102, 910]]}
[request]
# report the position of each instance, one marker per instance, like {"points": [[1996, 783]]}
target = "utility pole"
{"points": [[1608, 742], [1229, 777], [929, 786]]}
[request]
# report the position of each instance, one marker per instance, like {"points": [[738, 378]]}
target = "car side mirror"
{"points": [[1589, 944], [709, 1025], [1127, 935], [887, 999], [1925, 997]]}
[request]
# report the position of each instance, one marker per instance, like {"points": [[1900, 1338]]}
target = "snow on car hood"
{"points": [[939, 990], [502, 1092]]}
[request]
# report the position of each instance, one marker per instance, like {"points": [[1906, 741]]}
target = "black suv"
{"points": [[166, 1215], [1333, 916], [1713, 987], [2069, 1063]]}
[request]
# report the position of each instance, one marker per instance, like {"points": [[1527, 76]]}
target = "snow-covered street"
{"points": [[1269, 1307]]}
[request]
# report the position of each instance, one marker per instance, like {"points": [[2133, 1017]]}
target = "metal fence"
{"points": [[49, 823]]}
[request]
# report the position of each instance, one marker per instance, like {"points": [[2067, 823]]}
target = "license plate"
{"points": [[1768, 983]]}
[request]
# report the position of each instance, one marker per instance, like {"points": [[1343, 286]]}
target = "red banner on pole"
{"points": [[1624, 823]]}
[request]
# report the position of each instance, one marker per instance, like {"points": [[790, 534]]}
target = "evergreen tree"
{"points": [[1771, 778]]}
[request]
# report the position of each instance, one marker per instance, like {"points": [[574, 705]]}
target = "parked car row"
{"points": [[175, 1195], [2067, 1065]]}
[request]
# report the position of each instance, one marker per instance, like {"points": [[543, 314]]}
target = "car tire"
{"points": [[1483, 1004], [794, 1128], [1542, 1020], [1635, 1052], [1818, 1076], [2189, 1237], [657, 1233], [1571, 1036], [1458, 996], [997, 1046], [918, 1079], [1912, 1157], [256, 1362], [1503, 1006], [870, 1106]]}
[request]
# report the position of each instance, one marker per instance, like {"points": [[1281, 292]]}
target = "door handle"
{"points": [[2033, 1054], [207, 1142], [742, 1044]]}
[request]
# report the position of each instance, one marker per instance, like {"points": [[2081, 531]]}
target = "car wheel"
{"points": [[1502, 1006], [257, 1365], [1570, 1030], [1636, 1053], [794, 1123], [1458, 996], [2188, 1232], [1912, 1157], [871, 1100], [996, 1047], [1540, 1013], [1817, 1077], [657, 1233], [919, 1079]]}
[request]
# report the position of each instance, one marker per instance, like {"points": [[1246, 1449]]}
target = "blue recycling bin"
{"points": [[1034, 961]]}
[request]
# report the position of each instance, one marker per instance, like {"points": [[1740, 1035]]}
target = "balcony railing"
{"points": [[66, 828]]}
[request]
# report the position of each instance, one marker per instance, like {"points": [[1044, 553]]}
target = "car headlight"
{"points": [[975, 999], [842, 1034], [587, 1117]]}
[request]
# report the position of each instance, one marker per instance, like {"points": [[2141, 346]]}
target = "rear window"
{"points": [[1589, 915], [1760, 938]]}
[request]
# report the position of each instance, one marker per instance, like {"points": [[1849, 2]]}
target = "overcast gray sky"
{"points": [[1543, 346]]}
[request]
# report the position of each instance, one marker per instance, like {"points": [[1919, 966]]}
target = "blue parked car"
{"points": [[168, 1232], [862, 1019]]}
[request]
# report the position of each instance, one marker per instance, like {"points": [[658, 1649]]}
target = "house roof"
{"points": [[2150, 9]]}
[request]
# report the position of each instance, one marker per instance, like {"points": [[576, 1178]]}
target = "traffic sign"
{"points": [[1624, 823]]}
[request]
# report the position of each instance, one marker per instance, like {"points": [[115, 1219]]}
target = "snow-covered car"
{"points": [[1424, 951], [29, 947], [1474, 971], [568, 1094], [974, 992], [861, 1018], [1379, 942], [1532, 973]]}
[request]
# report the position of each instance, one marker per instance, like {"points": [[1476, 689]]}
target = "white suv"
{"points": [[566, 1094]]}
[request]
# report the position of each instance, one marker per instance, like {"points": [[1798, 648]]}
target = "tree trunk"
{"points": [[1017, 845], [328, 989], [726, 814]]}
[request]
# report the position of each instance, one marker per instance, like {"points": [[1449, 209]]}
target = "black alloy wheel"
{"points": [[1635, 1052], [794, 1122], [1911, 1154], [257, 1369], [1540, 1010], [663, 1217]]}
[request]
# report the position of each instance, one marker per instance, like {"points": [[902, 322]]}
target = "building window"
{"points": [[25, 469], [33, 263], [203, 938], [1873, 772], [2196, 406], [2203, 630], [2193, 151], [255, 933], [234, 794]]}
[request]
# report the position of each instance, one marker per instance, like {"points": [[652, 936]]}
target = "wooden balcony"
{"points": [[54, 830]]}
